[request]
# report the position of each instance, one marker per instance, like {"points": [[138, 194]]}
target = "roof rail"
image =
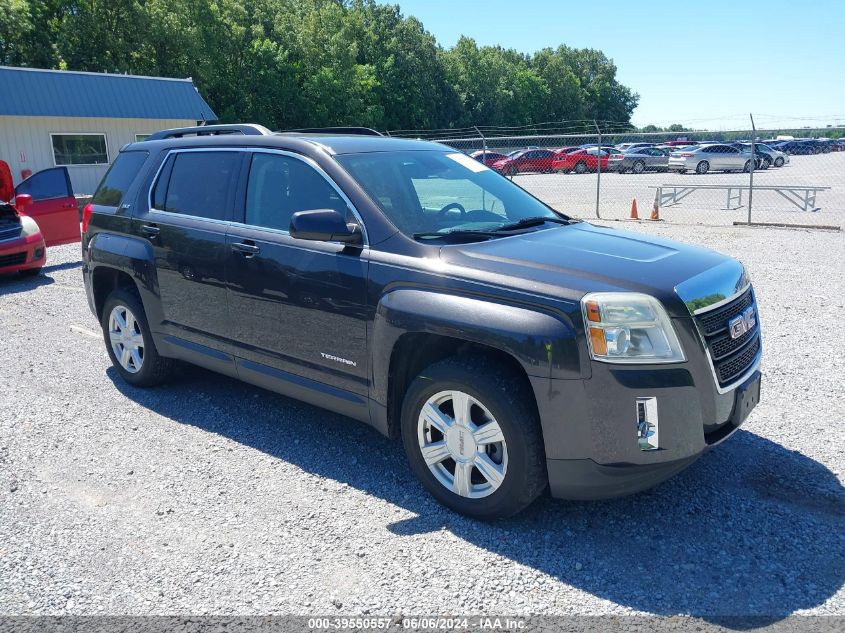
{"points": [[247, 129], [363, 131]]}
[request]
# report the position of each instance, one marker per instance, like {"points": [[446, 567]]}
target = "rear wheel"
{"points": [[703, 167], [129, 341], [747, 166], [638, 167], [472, 436]]}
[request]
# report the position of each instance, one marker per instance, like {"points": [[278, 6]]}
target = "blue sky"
{"points": [[705, 64]]}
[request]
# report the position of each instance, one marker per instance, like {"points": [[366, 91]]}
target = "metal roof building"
{"points": [[80, 120]]}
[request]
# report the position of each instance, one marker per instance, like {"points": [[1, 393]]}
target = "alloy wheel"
{"points": [[462, 444], [126, 339]]}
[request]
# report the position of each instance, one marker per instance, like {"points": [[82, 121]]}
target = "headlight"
{"points": [[629, 327]]}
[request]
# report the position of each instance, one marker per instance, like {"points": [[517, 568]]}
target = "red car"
{"points": [[44, 214], [537, 160], [488, 158], [580, 161]]}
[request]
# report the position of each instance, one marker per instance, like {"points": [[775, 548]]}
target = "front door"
{"points": [[186, 228], [297, 306], [53, 207]]}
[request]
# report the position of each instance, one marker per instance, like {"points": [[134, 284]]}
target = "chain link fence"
{"points": [[795, 178]]}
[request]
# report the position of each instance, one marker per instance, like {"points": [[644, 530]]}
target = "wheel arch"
{"points": [[415, 328], [104, 281], [117, 260]]}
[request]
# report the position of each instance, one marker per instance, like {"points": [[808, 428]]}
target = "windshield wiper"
{"points": [[455, 233], [524, 223], [533, 221]]}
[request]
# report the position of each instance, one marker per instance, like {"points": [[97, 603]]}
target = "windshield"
{"points": [[427, 191]]}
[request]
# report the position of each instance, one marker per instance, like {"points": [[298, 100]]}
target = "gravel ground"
{"points": [[212, 496]]}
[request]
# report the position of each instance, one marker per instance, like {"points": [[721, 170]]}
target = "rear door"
{"points": [[186, 224], [54, 207]]}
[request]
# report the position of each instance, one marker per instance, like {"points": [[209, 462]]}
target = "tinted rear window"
{"points": [[200, 184], [118, 178]]}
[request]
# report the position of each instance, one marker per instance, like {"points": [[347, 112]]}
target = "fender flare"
{"points": [[545, 345], [132, 256]]}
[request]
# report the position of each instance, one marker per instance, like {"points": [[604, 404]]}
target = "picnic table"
{"points": [[802, 196]]}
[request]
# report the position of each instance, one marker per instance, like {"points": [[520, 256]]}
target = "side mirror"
{"points": [[22, 201], [324, 225]]}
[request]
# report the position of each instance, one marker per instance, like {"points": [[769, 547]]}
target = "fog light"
{"points": [[647, 424], [38, 254]]}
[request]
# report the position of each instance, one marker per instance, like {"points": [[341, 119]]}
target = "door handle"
{"points": [[247, 249], [151, 230]]}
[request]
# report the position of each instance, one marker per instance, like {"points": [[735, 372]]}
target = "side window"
{"points": [[730, 150], [46, 185], [118, 178], [279, 186], [199, 184]]}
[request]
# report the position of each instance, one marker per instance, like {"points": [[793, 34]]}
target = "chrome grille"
{"points": [[731, 357], [10, 231], [717, 320]]}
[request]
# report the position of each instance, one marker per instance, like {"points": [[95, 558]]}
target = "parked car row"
{"points": [[681, 156]]}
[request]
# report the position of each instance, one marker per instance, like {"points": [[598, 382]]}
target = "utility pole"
{"points": [[751, 175], [598, 171]]}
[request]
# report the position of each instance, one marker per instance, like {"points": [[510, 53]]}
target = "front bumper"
{"points": [[590, 425], [27, 253]]}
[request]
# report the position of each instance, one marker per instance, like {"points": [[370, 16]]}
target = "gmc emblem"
{"points": [[739, 325]]}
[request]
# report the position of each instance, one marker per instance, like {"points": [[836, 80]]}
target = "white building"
{"points": [[80, 120]]}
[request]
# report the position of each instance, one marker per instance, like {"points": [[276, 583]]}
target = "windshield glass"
{"points": [[430, 191]]}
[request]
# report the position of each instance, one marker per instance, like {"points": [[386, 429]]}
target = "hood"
{"points": [[569, 261], [7, 187]]}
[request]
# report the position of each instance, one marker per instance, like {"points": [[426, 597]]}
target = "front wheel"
{"points": [[472, 436], [747, 167], [779, 161], [580, 168], [129, 341]]}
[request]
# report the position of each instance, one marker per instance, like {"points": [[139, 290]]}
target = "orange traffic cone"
{"points": [[634, 215], [655, 210]]}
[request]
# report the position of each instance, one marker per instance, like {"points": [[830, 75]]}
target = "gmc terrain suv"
{"points": [[406, 285]]}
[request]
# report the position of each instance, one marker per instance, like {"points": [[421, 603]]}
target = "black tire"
{"points": [[580, 167], [702, 168], [779, 161], [30, 272], [747, 167], [155, 369], [511, 403], [511, 171], [638, 167]]}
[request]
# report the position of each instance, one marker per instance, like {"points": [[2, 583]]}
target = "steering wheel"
{"points": [[441, 215]]}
